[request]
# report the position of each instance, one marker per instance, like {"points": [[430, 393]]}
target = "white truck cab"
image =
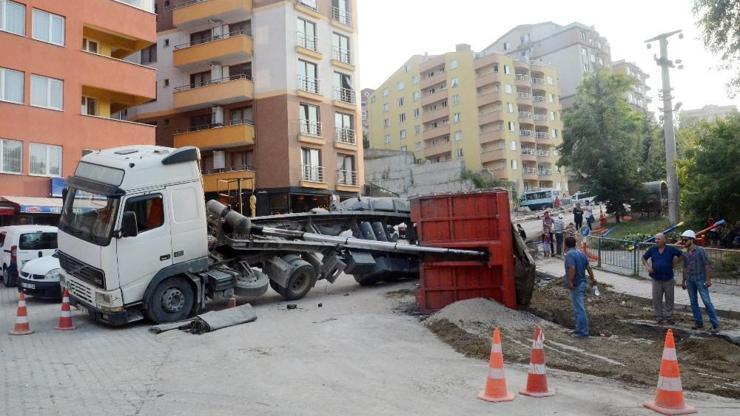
{"points": [[133, 217]]}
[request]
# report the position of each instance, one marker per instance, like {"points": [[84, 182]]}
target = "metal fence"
{"points": [[625, 257]]}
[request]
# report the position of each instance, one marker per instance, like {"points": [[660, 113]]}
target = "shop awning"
{"points": [[32, 205]]}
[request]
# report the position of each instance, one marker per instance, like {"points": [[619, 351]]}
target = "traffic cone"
{"points": [[65, 320], [669, 396], [496, 381], [537, 379], [232, 302], [21, 318]]}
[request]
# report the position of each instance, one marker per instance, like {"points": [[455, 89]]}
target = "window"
{"points": [[385, 92], [418, 145], [346, 169], [584, 52], [417, 112], [167, 82], [403, 149], [406, 68], [402, 118], [551, 97], [244, 69], [552, 115], [166, 43], [416, 96], [11, 155], [310, 120], [513, 145], [45, 160], [307, 34], [200, 79], [554, 133], [243, 27], [454, 64], [455, 99], [510, 107], [341, 49], [149, 55], [200, 121], [307, 77], [400, 102], [508, 89], [506, 46], [149, 211], [458, 135], [507, 70], [583, 35], [340, 11], [417, 129], [46, 92], [415, 79], [512, 126], [386, 123], [203, 36], [456, 118], [400, 86], [454, 82], [402, 134], [549, 80], [459, 153], [513, 164], [48, 27], [241, 115], [387, 139], [310, 4], [12, 17], [343, 88], [385, 107], [89, 106], [11, 85], [311, 161], [89, 45]]}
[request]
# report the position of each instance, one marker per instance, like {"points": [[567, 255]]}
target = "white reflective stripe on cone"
{"points": [[495, 373], [669, 383], [66, 314], [21, 303], [65, 299], [536, 368], [669, 354], [22, 320], [496, 348], [537, 345]]}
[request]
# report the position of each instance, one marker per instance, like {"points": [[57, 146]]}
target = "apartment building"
{"points": [[364, 99], [638, 97], [707, 113], [490, 110], [575, 50], [267, 90], [63, 86]]}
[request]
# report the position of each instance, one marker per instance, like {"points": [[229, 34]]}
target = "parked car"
{"points": [[21, 243], [582, 198], [40, 277]]}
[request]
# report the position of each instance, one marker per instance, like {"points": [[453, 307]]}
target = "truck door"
{"points": [[142, 256], [189, 227]]}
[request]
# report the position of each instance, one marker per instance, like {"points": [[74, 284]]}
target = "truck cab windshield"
{"points": [[89, 216]]}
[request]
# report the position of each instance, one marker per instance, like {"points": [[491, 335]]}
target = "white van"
{"points": [[21, 243]]}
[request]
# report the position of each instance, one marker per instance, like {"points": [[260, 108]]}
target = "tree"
{"points": [[652, 151], [602, 138], [709, 174], [720, 21]]}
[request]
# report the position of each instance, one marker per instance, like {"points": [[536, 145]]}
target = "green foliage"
{"points": [[652, 152], [601, 140], [486, 182], [720, 21], [709, 175]]}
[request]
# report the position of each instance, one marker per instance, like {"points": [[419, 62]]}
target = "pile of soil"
{"points": [[625, 343]]}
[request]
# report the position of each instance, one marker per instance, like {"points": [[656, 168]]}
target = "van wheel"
{"points": [[171, 301], [302, 279]]}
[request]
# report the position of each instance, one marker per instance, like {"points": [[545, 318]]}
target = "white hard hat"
{"points": [[689, 234], [560, 216]]}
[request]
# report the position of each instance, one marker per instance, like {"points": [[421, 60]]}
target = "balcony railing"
{"points": [[215, 125], [308, 84], [210, 39], [346, 136], [531, 152], [313, 173], [544, 172], [541, 135], [525, 133], [345, 95], [522, 77], [313, 5], [525, 114], [342, 55], [195, 85], [541, 153], [146, 5], [538, 98], [307, 42], [524, 95], [310, 128], [538, 80], [342, 16], [530, 171], [540, 117], [346, 177]]}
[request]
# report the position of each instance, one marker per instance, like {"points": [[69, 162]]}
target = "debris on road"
{"points": [[292, 306], [211, 321]]}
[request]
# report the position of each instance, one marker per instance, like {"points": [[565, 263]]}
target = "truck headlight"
{"points": [[102, 299], [54, 274]]}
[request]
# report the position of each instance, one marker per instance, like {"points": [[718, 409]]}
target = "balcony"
{"points": [[525, 115], [310, 132], [345, 98], [187, 15], [308, 88], [309, 7], [216, 181], [544, 173], [437, 149], [312, 176], [343, 17], [526, 133], [522, 79], [345, 139], [530, 173], [227, 49], [220, 91], [347, 180], [492, 155], [538, 81], [217, 136], [116, 131], [436, 131], [146, 5], [307, 45], [541, 135], [489, 97], [438, 77], [342, 58], [539, 118], [490, 117], [538, 98], [442, 112], [488, 79], [124, 78], [543, 155], [524, 97], [529, 155], [492, 135], [438, 95]]}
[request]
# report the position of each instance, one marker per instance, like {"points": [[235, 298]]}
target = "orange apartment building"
{"points": [[267, 89], [64, 86]]}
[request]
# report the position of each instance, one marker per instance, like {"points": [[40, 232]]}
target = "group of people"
{"points": [[660, 261], [554, 233]]}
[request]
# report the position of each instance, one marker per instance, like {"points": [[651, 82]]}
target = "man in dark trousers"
{"points": [[576, 266], [662, 259], [697, 279], [578, 216]]}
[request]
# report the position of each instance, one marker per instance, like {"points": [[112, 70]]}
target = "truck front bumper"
{"points": [[110, 318]]}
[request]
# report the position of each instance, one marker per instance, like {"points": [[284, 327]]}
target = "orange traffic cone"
{"points": [[537, 379], [496, 382], [21, 320], [232, 302], [65, 320], [669, 396]]}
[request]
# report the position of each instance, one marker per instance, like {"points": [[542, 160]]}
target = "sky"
{"points": [[390, 31]]}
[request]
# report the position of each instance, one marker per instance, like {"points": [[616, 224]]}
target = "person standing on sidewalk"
{"points": [[696, 278], [576, 266], [559, 227], [578, 216], [547, 224], [589, 210], [662, 259]]}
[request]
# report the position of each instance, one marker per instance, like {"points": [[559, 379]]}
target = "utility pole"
{"points": [[669, 134]]}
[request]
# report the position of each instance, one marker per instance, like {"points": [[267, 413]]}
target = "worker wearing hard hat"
{"points": [[696, 278]]}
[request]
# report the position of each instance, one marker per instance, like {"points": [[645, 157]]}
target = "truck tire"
{"points": [[171, 301], [276, 287], [301, 280]]}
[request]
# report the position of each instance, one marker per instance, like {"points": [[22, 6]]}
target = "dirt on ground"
{"points": [[625, 343]]}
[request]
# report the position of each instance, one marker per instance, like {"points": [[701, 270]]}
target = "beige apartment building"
{"points": [[492, 111], [638, 97], [267, 89]]}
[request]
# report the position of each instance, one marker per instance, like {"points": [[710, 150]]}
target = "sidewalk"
{"points": [[641, 287]]}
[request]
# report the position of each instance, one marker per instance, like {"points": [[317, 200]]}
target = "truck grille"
{"points": [[82, 271], [80, 291]]}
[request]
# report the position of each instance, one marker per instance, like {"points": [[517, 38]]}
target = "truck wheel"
{"points": [[171, 301], [276, 287], [301, 280]]}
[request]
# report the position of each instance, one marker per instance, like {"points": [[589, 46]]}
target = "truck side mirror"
{"points": [[129, 226]]}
